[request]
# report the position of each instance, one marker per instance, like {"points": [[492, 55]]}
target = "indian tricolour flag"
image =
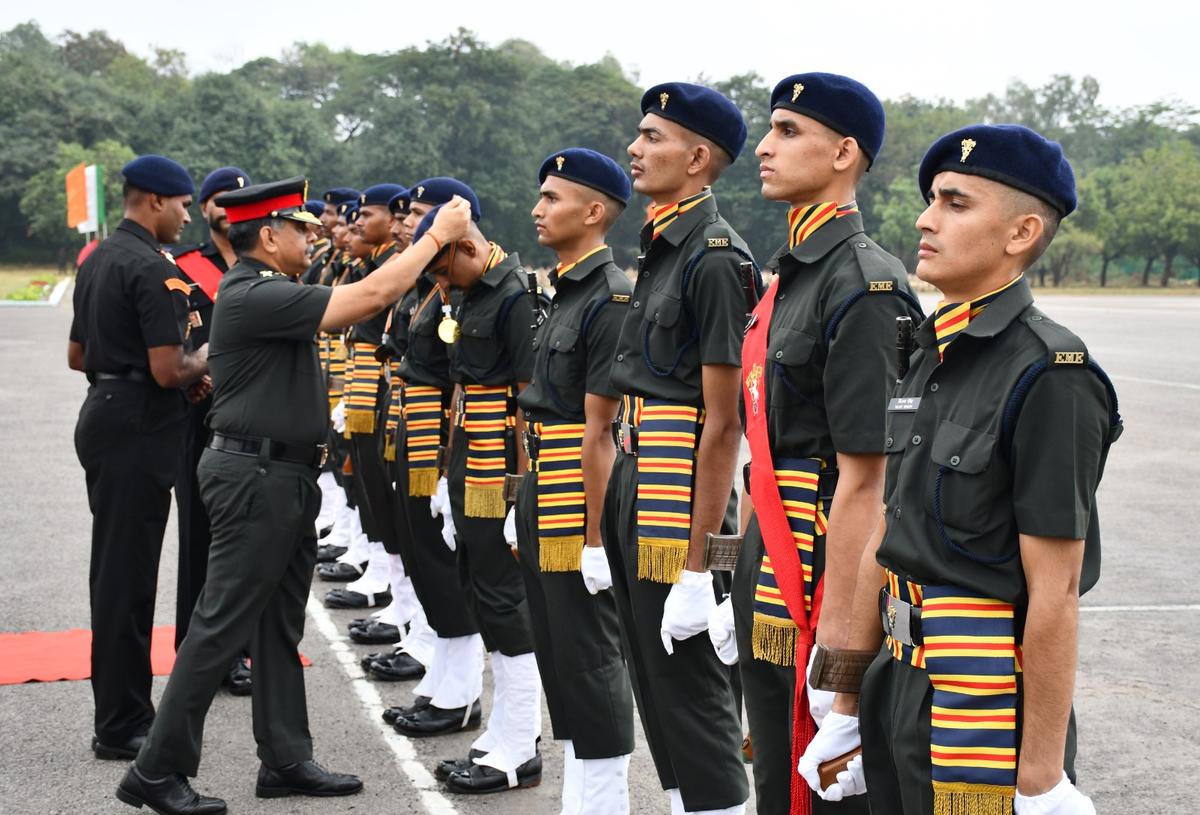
{"points": [[85, 198]]}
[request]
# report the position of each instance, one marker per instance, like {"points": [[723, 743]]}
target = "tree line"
{"points": [[489, 115]]}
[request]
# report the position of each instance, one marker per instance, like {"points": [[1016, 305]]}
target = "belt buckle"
{"points": [[525, 443], [626, 437], [324, 456], [897, 619]]}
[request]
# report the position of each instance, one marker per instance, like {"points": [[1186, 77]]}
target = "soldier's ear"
{"points": [[467, 247]]}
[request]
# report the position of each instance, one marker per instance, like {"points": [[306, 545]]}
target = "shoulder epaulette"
{"points": [[881, 272], [619, 287], [1062, 346]]}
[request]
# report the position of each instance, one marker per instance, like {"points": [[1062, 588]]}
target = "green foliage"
{"points": [[490, 115]]}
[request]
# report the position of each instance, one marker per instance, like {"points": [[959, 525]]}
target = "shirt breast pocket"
{"points": [[562, 374], [967, 487], [664, 343], [788, 356], [480, 351]]}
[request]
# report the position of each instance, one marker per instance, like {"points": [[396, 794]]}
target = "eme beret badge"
{"points": [[662, 99], [797, 89], [967, 146]]}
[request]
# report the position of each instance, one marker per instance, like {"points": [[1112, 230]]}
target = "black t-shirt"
{"points": [[682, 330], [426, 359], [574, 347], [831, 359], [960, 489], [263, 356], [128, 297], [496, 345]]}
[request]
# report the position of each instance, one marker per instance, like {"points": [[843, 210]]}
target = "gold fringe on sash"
{"points": [[971, 799], [361, 422], [661, 559], [774, 639], [561, 554], [422, 482], [389, 449], [484, 502]]}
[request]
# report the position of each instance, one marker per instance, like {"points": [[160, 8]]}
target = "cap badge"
{"points": [[662, 100], [560, 161], [797, 89], [420, 191], [967, 146], [241, 182], [362, 199]]}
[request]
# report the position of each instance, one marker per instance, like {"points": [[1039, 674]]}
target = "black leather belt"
{"points": [[314, 455], [625, 437], [901, 621], [132, 375], [826, 484]]}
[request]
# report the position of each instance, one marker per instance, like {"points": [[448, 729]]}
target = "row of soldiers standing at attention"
{"points": [[918, 511]]}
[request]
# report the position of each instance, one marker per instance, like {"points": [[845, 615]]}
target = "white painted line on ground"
{"points": [[1119, 609], [432, 800], [1166, 383], [60, 289]]}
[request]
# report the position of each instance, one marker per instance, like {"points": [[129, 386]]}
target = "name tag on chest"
{"points": [[904, 404]]}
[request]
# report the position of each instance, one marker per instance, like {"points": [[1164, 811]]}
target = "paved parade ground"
{"points": [[1138, 697]]}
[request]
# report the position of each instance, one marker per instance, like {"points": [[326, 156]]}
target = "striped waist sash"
{"points": [[773, 635], [337, 369], [561, 508], [969, 650], [392, 424], [362, 385], [423, 416], [486, 421], [666, 464]]}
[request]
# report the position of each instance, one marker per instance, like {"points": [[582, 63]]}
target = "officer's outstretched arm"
{"points": [[1049, 654], [353, 302]]}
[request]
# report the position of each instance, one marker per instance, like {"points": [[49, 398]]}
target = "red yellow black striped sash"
{"points": [[337, 369], [773, 635], [666, 463], [561, 508], [392, 424], [362, 384], [486, 418], [665, 216], [969, 651], [423, 417], [951, 319], [803, 221]]}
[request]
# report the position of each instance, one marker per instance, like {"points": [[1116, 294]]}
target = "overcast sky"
{"points": [[958, 49]]}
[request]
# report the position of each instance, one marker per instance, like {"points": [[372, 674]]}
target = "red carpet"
{"points": [[51, 656]]}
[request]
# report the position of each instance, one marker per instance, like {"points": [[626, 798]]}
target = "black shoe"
{"points": [[399, 667], [448, 766], [376, 656], [238, 681], [393, 713], [338, 572], [166, 795], [125, 751], [375, 633], [329, 552], [344, 598], [481, 780], [304, 778], [434, 721]]}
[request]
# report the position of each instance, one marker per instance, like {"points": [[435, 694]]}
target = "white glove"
{"points": [[685, 614], [720, 631], [337, 416], [594, 567], [439, 502], [836, 737], [1064, 799], [448, 532], [510, 527], [820, 702]]}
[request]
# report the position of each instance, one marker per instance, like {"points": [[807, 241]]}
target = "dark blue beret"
{"points": [[589, 168], [701, 110], [440, 190], [340, 195], [1011, 154], [348, 210], [159, 175], [317, 208], [425, 224], [398, 203], [379, 195], [223, 179], [838, 102]]}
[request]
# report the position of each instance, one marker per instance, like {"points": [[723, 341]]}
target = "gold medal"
{"points": [[448, 328]]}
